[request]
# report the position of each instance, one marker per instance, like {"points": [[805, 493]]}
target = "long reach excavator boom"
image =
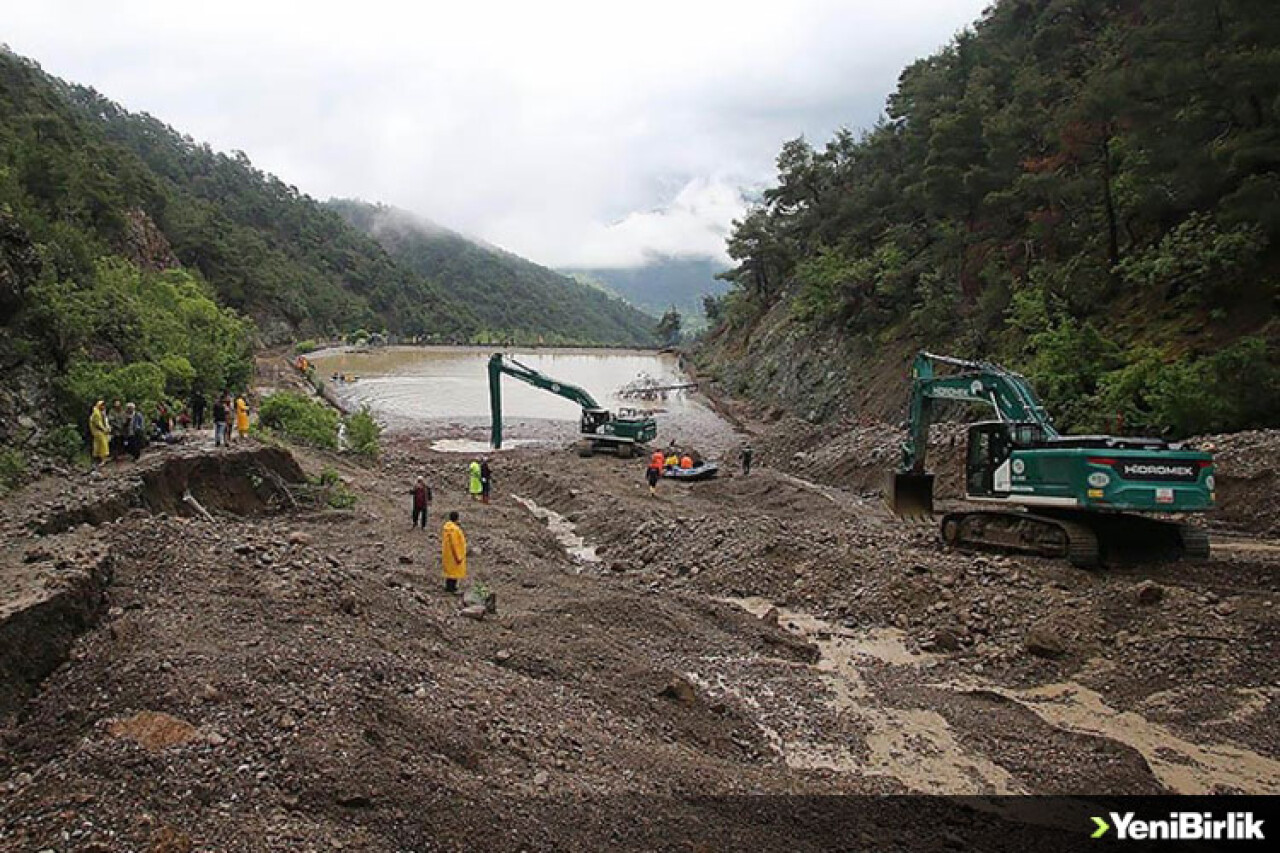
{"points": [[598, 427]]}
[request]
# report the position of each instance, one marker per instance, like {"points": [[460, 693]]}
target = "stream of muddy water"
{"points": [[919, 748]]}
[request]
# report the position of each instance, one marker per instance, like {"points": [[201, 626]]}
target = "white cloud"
{"points": [[558, 130]]}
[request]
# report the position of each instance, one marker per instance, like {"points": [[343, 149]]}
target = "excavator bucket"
{"points": [[911, 495]]}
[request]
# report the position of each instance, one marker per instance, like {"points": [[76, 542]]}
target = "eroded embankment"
{"points": [[53, 585]]}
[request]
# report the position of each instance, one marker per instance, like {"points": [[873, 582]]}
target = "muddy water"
{"points": [[918, 747], [912, 745], [427, 383], [563, 530]]}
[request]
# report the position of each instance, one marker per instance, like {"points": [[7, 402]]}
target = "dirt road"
{"points": [[288, 676]]}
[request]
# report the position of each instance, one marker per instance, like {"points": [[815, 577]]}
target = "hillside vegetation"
{"points": [[139, 262], [516, 299], [1087, 191], [662, 283]]}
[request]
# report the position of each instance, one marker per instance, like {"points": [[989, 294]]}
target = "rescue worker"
{"points": [[686, 462], [746, 460], [672, 460], [654, 471], [486, 480], [242, 417], [453, 546], [421, 502], [100, 433], [474, 487]]}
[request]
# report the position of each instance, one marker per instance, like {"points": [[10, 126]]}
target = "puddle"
{"points": [[483, 448], [564, 531], [918, 747]]}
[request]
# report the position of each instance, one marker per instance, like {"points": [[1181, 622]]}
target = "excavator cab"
{"points": [[987, 450]]}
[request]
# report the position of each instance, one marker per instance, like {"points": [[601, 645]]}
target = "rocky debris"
{"points": [[315, 677], [679, 689], [1044, 642], [1148, 593], [153, 731], [473, 611]]}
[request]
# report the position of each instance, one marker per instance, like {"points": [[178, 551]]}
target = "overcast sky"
{"points": [[575, 134]]}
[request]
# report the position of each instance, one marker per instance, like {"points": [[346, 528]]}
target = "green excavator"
{"points": [[1088, 498], [599, 428]]}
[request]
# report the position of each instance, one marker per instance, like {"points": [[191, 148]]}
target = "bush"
{"points": [[333, 491], [66, 444], [307, 346], [300, 419], [13, 467], [363, 433]]}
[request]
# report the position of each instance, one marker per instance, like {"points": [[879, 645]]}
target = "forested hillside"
{"points": [[137, 262], [515, 298], [662, 283], [1087, 191]]}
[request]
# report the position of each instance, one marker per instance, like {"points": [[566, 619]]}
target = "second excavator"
{"points": [[1088, 498], [599, 428]]}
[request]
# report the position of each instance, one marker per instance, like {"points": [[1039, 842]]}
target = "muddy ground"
{"points": [[282, 675]]}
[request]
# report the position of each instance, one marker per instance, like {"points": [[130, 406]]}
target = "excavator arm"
{"points": [[980, 382], [498, 365]]}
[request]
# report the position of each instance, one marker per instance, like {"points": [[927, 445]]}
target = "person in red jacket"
{"points": [[654, 471], [421, 502]]}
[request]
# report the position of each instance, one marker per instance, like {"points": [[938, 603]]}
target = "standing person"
{"points": [[453, 546], [100, 433], [486, 480], [474, 487], [654, 471], [133, 431], [116, 418], [197, 409], [421, 502], [219, 422], [746, 459], [228, 431], [242, 417]]}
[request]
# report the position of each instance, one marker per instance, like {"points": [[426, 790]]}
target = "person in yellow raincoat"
{"points": [[475, 487], [453, 545], [100, 432], [242, 417]]}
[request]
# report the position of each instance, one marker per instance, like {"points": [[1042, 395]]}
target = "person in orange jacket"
{"points": [[654, 471], [686, 462]]}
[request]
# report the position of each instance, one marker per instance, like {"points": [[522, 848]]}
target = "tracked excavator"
{"points": [[599, 428], [1088, 498]]}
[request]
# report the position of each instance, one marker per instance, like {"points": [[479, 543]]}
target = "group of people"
{"points": [[122, 428], [480, 480], [223, 411], [453, 542], [117, 430]]}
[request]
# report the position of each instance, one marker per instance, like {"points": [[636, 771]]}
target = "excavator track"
{"points": [[1083, 539], [1024, 533], [1195, 542]]}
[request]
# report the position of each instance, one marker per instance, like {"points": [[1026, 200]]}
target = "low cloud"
{"points": [[574, 133]]}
